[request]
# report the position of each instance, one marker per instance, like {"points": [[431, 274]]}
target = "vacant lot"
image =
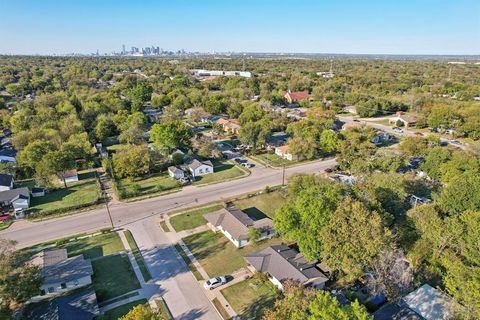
{"points": [[223, 170], [113, 276], [265, 204], [80, 193], [192, 219], [250, 298], [218, 255], [118, 312], [156, 183]]}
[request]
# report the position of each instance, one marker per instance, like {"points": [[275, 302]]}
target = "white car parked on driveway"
{"points": [[213, 283]]}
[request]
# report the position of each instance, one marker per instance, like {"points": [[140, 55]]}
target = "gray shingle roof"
{"points": [[194, 164], [283, 262], [175, 169], [428, 302], [10, 195], [81, 306], [55, 267], [236, 222]]}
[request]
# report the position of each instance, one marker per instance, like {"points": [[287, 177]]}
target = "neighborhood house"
{"points": [[175, 172], [284, 153], [296, 96], [406, 120], [234, 224], [229, 125], [19, 198], [69, 176], [6, 181], [281, 263], [61, 273], [200, 168]]}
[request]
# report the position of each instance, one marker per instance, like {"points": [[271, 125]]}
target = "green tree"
{"points": [[132, 162], [133, 128], [352, 239], [460, 194], [253, 234], [171, 134], [139, 94], [329, 141], [326, 307], [305, 214], [143, 312], [294, 303], [19, 281]]}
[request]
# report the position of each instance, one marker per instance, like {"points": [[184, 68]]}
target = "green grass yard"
{"points": [[273, 160], [192, 219], [118, 312], [251, 298], [223, 170], [83, 192], [141, 187], [113, 276], [261, 205], [218, 255], [96, 246]]}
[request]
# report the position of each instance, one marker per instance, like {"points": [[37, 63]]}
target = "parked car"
{"points": [[397, 130], [455, 142], [329, 170], [248, 165], [237, 160], [213, 283], [419, 134]]}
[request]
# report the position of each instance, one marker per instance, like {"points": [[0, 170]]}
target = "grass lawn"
{"points": [[138, 256], [192, 219], [4, 225], [273, 160], [94, 247], [250, 298], [218, 305], [265, 204], [119, 312], [83, 192], [218, 255], [162, 309], [113, 276], [188, 262], [223, 170], [156, 183]]}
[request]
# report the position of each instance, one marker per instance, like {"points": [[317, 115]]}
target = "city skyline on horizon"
{"points": [[412, 27]]}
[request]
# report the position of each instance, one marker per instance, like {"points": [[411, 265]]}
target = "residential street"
{"points": [[123, 214], [172, 280]]}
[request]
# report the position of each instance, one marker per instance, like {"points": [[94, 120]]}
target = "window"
{"points": [[201, 170], [63, 285], [51, 289], [207, 169]]}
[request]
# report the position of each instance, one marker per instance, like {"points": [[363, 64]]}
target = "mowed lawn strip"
{"points": [[95, 246], [113, 276], [223, 170], [192, 219], [188, 262], [218, 255], [273, 160], [266, 203], [138, 256], [118, 312], [251, 298]]}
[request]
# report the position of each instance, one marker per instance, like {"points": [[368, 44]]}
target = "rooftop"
{"points": [[284, 263]]}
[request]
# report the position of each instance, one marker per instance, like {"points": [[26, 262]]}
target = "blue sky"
{"points": [[322, 26]]}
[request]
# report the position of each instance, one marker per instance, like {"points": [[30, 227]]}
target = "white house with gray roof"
{"points": [[234, 224], [281, 263], [61, 273], [200, 168]]}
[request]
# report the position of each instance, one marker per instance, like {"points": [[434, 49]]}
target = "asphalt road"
{"points": [[123, 214]]}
